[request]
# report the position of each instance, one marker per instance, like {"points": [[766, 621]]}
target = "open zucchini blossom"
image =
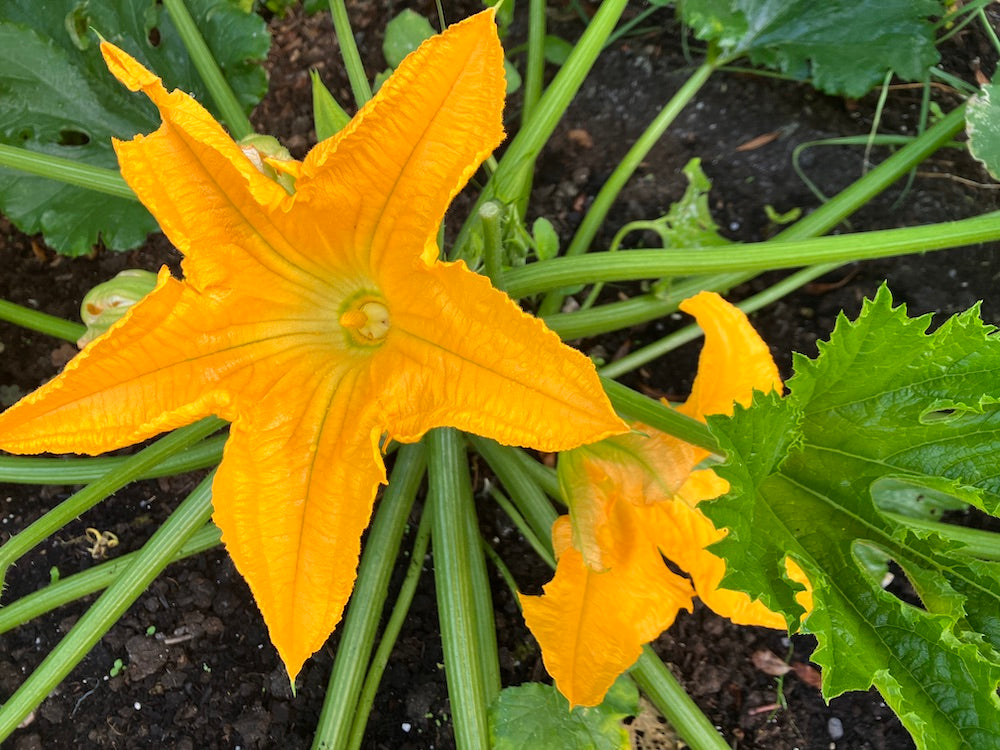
{"points": [[319, 323], [633, 500]]}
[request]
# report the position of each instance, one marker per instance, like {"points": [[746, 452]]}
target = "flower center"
{"points": [[367, 320]]}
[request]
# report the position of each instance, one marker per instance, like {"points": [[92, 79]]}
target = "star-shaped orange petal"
{"points": [[317, 323]]}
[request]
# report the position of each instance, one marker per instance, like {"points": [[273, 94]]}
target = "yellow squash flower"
{"points": [[318, 323], [633, 499]]}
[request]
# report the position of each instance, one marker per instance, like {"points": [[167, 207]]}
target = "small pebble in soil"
{"points": [[835, 728], [407, 726]]}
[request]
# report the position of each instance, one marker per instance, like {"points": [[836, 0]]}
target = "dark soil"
{"points": [[208, 677]]}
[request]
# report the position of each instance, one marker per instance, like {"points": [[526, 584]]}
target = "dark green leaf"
{"points": [[803, 471], [842, 47], [60, 99]]}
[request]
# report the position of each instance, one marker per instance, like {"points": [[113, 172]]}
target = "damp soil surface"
{"points": [[198, 670]]}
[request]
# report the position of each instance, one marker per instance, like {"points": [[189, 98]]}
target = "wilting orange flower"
{"points": [[318, 323], [633, 497]]}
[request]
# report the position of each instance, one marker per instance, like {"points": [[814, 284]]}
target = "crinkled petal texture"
{"points": [[464, 355], [633, 497], [590, 625], [266, 328]]}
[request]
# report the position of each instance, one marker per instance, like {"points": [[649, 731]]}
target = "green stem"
{"points": [[156, 554], [526, 494], [635, 406], [534, 76], [534, 72], [66, 170], [988, 28], [457, 574], [751, 257], [491, 214], [657, 682], [39, 321], [365, 609], [129, 470], [205, 63], [101, 576], [513, 175], [609, 192], [542, 475], [617, 315], [979, 543], [668, 343], [390, 635], [537, 544], [349, 53], [505, 574], [31, 470]]}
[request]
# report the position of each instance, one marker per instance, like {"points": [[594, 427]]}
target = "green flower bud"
{"points": [[107, 302]]}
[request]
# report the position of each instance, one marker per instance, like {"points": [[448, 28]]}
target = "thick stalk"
{"points": [[615, 316], [534, 71], [365, 609], [491, 215], [609, 192], [208, 68], [163, 546], [657, 682], [751, 257], [534, 74], [648, 353], [66, 170], [39, 321], [512, 177], [101, 576], [636, 407], [134, 467], [531, 502], [349, 53], [31, 470], [392, 627], [459, 569]]}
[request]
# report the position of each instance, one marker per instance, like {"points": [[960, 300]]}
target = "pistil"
{"points": [[368, 322]]}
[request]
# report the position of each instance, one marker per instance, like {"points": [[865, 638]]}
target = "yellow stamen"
{"points": [[353, 319]]}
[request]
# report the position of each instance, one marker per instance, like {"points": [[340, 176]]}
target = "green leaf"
{"points": [[328, 116], [982, 123], [841, 47], [59, 99], [557, 49], [884, 401], [689, 221], [403, 34], [546, 238], [537, 716]]}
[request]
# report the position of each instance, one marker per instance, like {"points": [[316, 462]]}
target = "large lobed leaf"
{"points": [[842, 46], [56, 97], [883, 402]]}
